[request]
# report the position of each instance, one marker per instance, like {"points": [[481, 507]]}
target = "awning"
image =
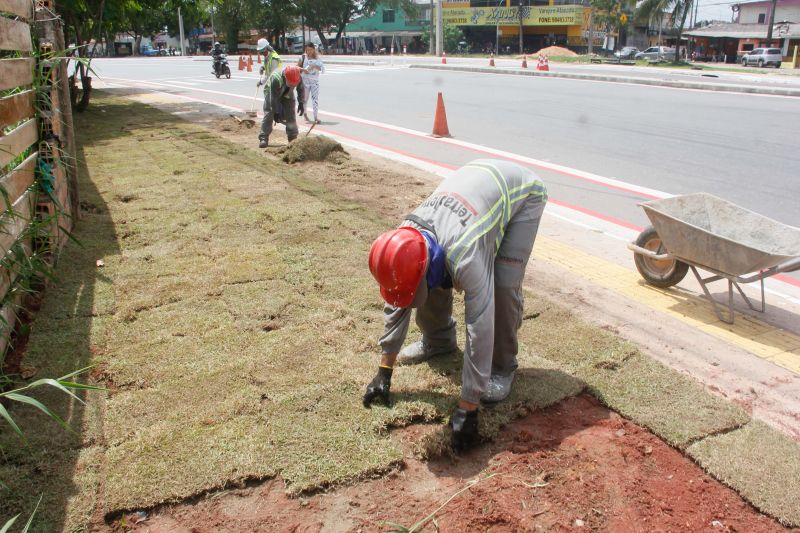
{"points": [[366, 34], [734, 30]]}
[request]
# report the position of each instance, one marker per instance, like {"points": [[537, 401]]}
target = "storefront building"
{"points": [[727, 42], [543, 23], [389, 31]]}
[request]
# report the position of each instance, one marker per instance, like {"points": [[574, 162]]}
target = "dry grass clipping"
{"points": [[313, 148]]}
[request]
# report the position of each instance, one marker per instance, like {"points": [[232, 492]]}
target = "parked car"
{"points": [[656, 52], [150, 51], [627, 52], [763, 57]]}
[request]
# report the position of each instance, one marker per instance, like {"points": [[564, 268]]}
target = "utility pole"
{"points": [[497, 29], [432, 40], [180, 26], [771, 22], [591, 29], [439, 29]]}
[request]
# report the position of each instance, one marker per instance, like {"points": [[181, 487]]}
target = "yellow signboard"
{"points": [[531, 16]]}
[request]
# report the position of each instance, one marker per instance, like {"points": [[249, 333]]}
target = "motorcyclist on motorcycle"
{"points": [[216, 54]]}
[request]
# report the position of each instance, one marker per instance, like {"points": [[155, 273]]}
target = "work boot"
{"points": [[498, 389], [263, 143], [421, 351]]}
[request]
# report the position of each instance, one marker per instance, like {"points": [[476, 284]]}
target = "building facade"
{"points": [[728, 41], [487, 23], [390, 31], [759, 12]]}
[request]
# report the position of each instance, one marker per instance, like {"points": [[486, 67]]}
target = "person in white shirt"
{"points": [[312, 67]]}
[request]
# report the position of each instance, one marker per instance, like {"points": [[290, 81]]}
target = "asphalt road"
{"points": [[741, 147]]}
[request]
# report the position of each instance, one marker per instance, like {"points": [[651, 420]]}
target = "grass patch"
{"points": [[235, 325], [672, 405], [761, 464]]}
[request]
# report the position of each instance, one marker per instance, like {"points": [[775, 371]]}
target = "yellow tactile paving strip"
{"points": [[756, 336]]}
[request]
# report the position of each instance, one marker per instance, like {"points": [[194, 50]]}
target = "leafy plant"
{"points": [[63, 384]]}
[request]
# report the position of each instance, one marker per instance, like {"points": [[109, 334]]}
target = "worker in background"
{"points": [[279, 102], [474, 234], [272, 61]]}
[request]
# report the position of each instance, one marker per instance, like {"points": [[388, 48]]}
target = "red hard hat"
{"points": [[398, 260], [292, 73]]}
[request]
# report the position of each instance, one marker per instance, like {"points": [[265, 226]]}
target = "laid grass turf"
{"points": [[672, 405], [234, 323], [760, 464]]}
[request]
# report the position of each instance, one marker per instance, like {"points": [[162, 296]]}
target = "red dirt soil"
{"points": [[573, 467]]}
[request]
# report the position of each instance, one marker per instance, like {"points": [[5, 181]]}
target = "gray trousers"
{"points": [[435, 319], [287, 110]]}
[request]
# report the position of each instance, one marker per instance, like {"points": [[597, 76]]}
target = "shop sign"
{"points": [[531, 16]]}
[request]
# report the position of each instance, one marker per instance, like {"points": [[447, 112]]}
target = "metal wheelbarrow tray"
{"points": [[703, 231]]}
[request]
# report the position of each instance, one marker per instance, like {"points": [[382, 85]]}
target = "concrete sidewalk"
{"points": [[732, 88]]}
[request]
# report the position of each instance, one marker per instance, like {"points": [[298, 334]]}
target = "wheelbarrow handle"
{"points": [[648, 253], [789, 266]]}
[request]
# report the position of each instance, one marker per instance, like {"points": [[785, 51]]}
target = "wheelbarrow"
{"points": [[702, 231]]}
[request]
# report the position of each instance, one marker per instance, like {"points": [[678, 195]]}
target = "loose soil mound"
{"points": [[316, 148], [556, 51], [574, 464]]}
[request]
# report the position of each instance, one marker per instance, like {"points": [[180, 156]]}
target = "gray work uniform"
{"points": [[485, 217], [279, 98]]}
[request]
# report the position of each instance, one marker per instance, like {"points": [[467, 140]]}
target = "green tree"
{"points": [[451, 37], [276, 17], [677, 9], [612, 16], [323, 15]]}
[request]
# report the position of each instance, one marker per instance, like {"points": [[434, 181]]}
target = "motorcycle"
{"points": [[221, 67]]}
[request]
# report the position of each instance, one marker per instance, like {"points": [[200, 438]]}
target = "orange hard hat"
{"points": [[292, 73], [398, 260]]}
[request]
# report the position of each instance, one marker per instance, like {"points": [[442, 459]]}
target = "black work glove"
{"points": [[465, 429], [278, 118], [300, 108], [379, 387]]}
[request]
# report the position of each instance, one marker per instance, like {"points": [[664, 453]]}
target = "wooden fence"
{"points": [[36, 141]]}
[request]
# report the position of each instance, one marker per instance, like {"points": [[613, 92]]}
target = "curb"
{"points": [[748, 89]]}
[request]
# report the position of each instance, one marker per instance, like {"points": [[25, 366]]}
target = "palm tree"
{"points": [[678, 9]]}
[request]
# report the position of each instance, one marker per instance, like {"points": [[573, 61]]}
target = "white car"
{"points": [[763, 57], [656, 52]]}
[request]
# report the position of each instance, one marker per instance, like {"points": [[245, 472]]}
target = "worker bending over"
{"points": [[279, 102], [474, 234]]}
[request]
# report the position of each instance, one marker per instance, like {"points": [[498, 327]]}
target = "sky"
{"points": [[715, 9]]}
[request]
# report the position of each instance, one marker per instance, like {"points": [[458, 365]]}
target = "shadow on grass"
{"points": [[67, 334]]}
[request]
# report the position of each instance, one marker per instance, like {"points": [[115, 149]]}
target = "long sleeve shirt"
{"points": [[468, 214]]}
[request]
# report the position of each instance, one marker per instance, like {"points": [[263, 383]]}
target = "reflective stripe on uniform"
{"points": [[499, 213]]}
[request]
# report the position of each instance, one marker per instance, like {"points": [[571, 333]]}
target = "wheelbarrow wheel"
{"points": [[660, 273]]}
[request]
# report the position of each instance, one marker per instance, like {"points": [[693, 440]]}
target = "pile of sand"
{"points": [[316, 148], [555, 51]]}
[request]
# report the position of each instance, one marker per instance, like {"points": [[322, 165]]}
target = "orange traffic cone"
{"points": [[440, 120], [491, 60], [524, 61], [546, 64], [259, 58], [249, 63], [444, 57], [241, 62]]}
